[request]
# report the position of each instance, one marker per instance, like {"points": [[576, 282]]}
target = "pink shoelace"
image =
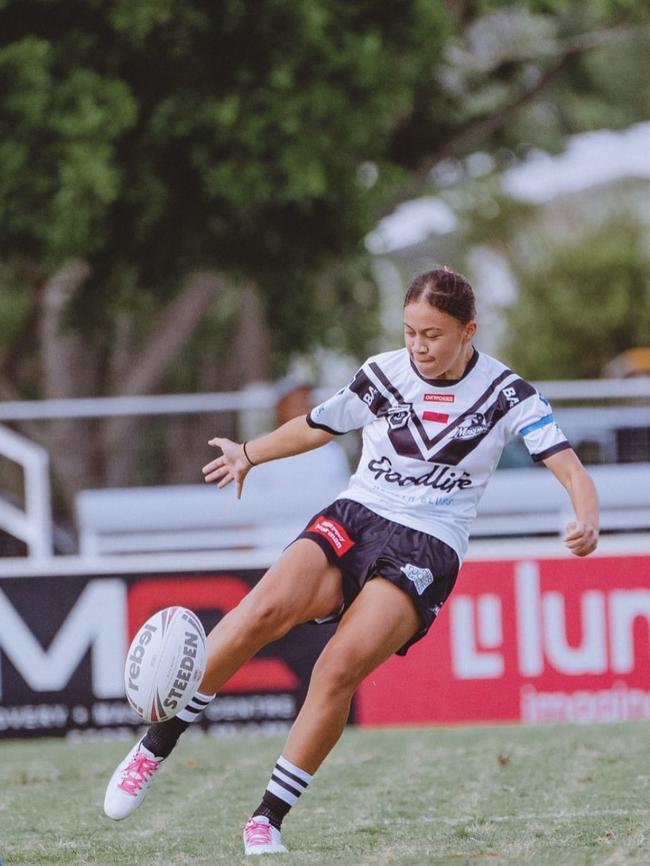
{"points": [[136, 773], [258, 833]]}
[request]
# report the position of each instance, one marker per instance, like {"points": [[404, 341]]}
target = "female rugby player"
{"points": [[382, 559]]}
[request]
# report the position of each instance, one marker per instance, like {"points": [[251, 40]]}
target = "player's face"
{"points": [[438, 344]]}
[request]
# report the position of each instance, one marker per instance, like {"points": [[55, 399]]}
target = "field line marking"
{"points": [[531, 816]]}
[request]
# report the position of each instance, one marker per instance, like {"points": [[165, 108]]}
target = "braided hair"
{"points": [[445, 290]]}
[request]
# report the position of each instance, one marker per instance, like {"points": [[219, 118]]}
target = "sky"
{"points": [[590, 159]]}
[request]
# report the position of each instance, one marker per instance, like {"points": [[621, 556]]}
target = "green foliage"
{"points": [[155, 137], [587, 301], [59, 173], [339, 311]]}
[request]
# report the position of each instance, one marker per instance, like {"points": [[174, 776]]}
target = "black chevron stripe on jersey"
{"points": [[402, 438], [366, 390], [469, 436]]}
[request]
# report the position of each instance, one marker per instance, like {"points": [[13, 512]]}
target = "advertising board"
{"points": [[527, 640], [63, 641]]}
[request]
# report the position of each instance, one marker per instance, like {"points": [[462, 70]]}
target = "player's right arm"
{"points": [[234, 464]]}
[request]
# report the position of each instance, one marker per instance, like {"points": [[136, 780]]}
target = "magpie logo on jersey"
{"points": [[398, 416], [474, 425], [421, 577]]}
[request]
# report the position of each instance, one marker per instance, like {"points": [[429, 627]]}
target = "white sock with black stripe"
{"points": [[286, 784], [195, 707], [161, 737]]}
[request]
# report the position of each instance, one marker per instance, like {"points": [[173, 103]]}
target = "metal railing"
{"points": [[621, 402], [262, 397], [33, 524]]}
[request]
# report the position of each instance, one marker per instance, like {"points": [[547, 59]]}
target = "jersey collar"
{"points": [[448, 383]]}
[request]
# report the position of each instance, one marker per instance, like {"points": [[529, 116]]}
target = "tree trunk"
{"points": [[170, 333], [249, 355], [246, 359], [69, 370]]}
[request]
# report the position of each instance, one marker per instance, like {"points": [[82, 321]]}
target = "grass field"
{"points": [[414, 797]]}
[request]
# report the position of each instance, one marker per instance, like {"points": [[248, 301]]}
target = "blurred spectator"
{"points": [[294, 397], [633, 362], [325, 469]]}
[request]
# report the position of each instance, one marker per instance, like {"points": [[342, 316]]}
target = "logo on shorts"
{"points": [[421, 577], [335, 534]]}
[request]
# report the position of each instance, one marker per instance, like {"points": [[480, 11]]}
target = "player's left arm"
{"points": [[582, 534]]}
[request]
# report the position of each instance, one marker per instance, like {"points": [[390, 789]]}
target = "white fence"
{"points": [[33, 523], [193, 517]]}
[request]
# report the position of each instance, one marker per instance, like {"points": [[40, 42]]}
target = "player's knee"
{"points": [[267, 616], [337, 675]]}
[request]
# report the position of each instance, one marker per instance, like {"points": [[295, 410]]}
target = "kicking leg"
{"points": [[301, 586]]}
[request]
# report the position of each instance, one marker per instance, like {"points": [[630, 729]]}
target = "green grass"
{"points": [[409, 797]]}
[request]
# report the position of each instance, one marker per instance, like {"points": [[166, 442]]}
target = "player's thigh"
{"points": [[380, 621], [301, 584]]}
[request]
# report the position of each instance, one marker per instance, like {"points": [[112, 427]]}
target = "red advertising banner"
{"points": [[532, 641]]}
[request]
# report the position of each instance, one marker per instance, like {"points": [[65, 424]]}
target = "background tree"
{"points": [[584, 302], [185, 186]]}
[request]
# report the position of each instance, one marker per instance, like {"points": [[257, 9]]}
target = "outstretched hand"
{"points": [[231, 466], [581, 538]]}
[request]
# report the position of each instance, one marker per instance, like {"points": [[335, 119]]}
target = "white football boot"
{"points": [[260, 837], [130, 782]]}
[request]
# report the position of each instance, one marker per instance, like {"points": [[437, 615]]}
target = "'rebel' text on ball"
{"points": [[137, 654]]}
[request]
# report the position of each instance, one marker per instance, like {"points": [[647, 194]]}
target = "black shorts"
{"points": [[364, 545]]}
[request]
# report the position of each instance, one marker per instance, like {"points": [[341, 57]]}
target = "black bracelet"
{"points": [[246, 455]]}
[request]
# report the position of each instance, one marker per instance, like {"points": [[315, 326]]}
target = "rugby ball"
{"points": [[165, 664]]}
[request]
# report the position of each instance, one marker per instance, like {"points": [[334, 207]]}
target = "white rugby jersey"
{"points": [[431, 446]]}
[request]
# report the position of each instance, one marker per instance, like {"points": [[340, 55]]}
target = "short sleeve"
{"points": [[535, 423], [351, 408]]}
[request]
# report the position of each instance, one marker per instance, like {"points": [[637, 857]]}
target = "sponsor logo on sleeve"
{"points": [[511, 396], [335, 534], [439, 398], [370, 395]]}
